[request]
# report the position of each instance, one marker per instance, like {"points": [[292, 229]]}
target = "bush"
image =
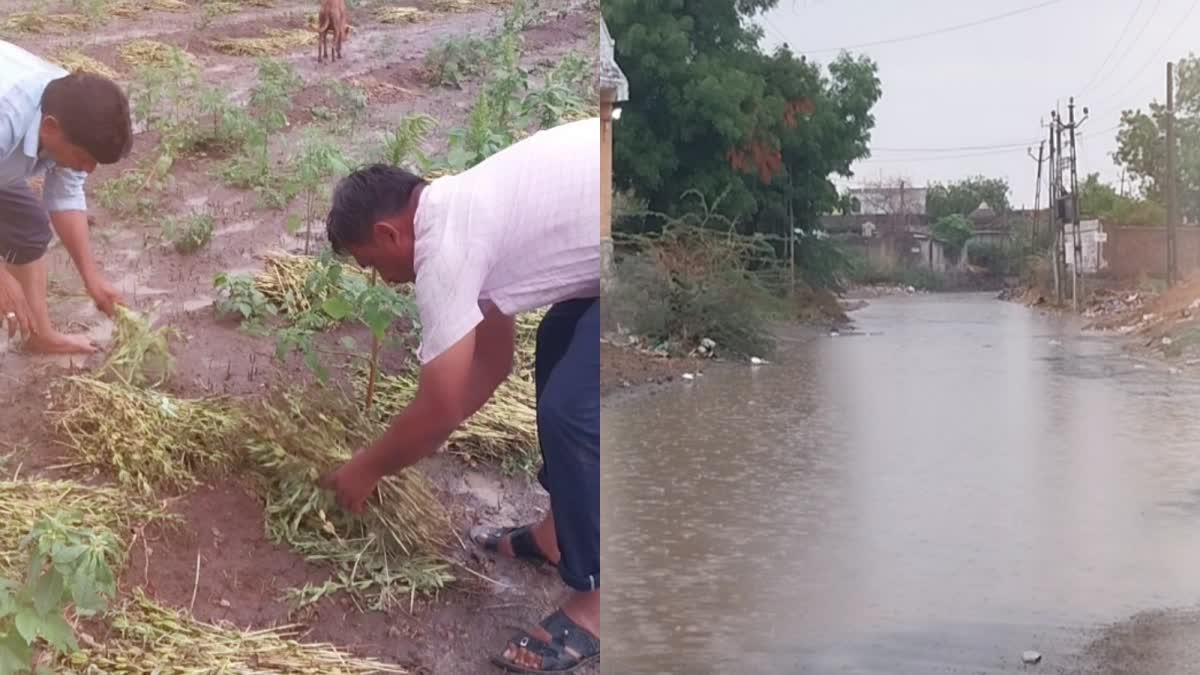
{"points": [[867, 272], [1000, 260], [688, 284]]}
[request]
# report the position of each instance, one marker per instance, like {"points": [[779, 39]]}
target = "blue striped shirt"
{"points": [[23, 78]]}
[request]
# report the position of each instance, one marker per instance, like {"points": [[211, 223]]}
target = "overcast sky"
{"points": [[945, 95]]}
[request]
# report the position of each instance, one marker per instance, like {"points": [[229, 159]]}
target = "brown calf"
{"points": [[332, 19]]}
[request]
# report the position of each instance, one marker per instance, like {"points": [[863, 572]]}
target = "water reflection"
{"points": [[974, 480]]}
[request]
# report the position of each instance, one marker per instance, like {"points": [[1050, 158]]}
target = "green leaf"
{"points": [[28, 624], [68, 554], [15, 653], [48, 593], [59, 634], [337, 307]]}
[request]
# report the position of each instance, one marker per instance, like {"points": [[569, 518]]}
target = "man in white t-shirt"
{"points": [[518, 232]]}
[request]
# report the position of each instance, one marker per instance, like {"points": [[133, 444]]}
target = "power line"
{"points": [[939, 158], [1161, 45], [1149, 20], [939, 31], [960, 148], [1124, 31]]}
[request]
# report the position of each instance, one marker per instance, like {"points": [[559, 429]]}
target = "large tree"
{"points": [[964, 196], [710, 112], [1141, 143]]}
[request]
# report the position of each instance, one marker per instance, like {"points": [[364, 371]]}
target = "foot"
{"points": [[54, 342], [537, 543], [565, 641]]}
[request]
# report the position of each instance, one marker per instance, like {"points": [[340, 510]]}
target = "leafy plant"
{"points": [[189, 234], [270, 101], [565, 94], [67, 564], [954, 231], [455, 61], [240, 296], [402, 145], [318, 160]]}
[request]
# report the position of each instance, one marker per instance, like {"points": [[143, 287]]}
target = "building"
{"points": [[885, 201]]}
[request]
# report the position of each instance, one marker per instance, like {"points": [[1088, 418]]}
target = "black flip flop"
{"points": [[523, 545], [570, 648]]}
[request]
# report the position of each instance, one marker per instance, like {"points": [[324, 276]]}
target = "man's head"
{"points": [[85, 122], [372, 220]]}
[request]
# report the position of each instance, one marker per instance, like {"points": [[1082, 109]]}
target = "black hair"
{"points": [[363, 198], [93, 113]]}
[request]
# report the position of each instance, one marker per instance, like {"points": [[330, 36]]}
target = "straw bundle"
{"points": [[505, 429], [390, 552], [150, 638], [169, 5], [272, 43], [149, 53], [77, 62], [293, 282], [148, 439], [123, 8], [140, 355], [401, 15], [37, 22], [105, 510]]}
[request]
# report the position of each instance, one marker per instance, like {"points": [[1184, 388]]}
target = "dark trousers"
{"points": [[567, 371], [24, 225]]}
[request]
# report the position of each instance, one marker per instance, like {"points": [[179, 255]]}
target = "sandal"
{"points": [[523, 545], [570, 647]]}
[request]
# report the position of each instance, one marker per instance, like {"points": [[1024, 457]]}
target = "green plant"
{"points": [[270, 100], [191, 233], [564, 95], [67, 564], [454, 61], [319, 159], [239, 296], [125, 195], [953, 231], [402, 145]]}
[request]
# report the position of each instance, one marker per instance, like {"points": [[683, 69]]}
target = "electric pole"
{"points": [[1077, 240], [1172, 204], [1037, 191], [1055, 187]]}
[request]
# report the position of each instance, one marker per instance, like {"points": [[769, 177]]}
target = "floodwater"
{"points": [[964, 480]]}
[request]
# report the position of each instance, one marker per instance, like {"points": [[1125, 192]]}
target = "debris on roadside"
{"points": [[1031, 658]]}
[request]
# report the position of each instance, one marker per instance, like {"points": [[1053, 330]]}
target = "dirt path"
{"points": [[244, 576]]}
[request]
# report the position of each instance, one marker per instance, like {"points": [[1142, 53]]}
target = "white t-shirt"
{"points": [[519, 231]]}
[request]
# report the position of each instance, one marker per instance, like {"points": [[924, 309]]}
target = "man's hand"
{"points": [[12, 301], [104, 294], [353, 482]]}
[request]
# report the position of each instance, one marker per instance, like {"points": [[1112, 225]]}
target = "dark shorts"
{"points": [[567, 370], [24, 226]]}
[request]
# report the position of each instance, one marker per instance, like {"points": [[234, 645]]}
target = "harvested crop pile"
{"points": [[274, 42], [401, 15], [149, 53], [169, 5], [526, 343], [393, 551], [149, 638], [77, 62], [37, 22], [504, 430], [105, 510], [146, 438], [296, 284], [140, 354]]}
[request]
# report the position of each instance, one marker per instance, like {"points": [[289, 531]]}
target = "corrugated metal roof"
{"points": [[611, 76]]}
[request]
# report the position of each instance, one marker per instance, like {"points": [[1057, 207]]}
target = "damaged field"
{"points": [[166, 487]]}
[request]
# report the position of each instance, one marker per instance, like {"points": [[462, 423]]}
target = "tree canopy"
{"points": [[964, 196], [710, 112]]}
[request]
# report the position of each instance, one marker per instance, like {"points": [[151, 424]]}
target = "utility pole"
{"points": [[1037, 191], [1077, 241], [1172, 203], [1054, 187], [791, 240]]}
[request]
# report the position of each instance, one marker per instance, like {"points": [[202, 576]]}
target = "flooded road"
{"points": [[965, 480]]}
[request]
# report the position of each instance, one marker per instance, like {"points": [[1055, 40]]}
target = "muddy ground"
{"points": [[243, 577]]}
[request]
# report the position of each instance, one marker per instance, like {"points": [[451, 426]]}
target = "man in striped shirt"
{"points": [[61, 126], [518, 232]]}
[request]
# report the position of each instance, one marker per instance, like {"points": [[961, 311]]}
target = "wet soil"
{"points": [[244, 577], [626, 368]]}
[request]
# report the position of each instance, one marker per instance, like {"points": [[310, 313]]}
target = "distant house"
{"points": [[886, 201]]}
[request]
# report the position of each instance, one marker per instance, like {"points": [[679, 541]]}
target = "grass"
{"points": [[103, 509], [126, 195], [149, 638], [272, 43], [390, 553], [147, 439], [77, 62]]}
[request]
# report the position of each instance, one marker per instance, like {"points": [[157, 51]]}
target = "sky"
{"points": [[949, 98]]}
